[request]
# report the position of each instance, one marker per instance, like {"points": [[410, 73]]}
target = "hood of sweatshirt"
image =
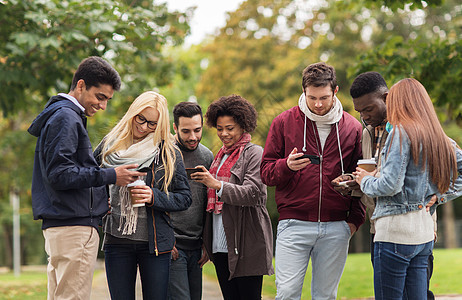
{"points": [[55, 103]]}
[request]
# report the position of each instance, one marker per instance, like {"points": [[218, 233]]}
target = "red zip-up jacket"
{"points": [[308, 194]]}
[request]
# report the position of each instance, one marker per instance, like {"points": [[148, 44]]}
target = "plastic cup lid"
{"points": [[136, 182], [369, 161]]}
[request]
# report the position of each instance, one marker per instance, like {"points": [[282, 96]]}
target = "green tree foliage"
{"points": [[44, 41], [400, 4], [256, 57], [262, 50], [265, 45], [42, 44], [435, 62]]}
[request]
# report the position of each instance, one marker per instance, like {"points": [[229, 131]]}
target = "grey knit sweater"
{"points": [[188, 224]]}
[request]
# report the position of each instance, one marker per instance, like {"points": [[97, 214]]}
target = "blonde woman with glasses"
{"points": [[139, 234]]}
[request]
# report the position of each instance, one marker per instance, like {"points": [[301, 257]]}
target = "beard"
{"points": [[184, 145]]}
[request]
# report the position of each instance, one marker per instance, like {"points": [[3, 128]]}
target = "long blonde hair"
{"points": [[410, 106], [121, 136]]}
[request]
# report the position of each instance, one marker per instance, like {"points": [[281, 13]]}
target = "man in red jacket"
{"points": [[307, 147]]}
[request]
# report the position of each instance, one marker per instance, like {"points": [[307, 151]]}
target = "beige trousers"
{"points": [[72, 252]]}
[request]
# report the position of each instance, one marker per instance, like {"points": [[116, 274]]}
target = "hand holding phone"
{"points": [[346, 183], [315, 160], [190, 171]]}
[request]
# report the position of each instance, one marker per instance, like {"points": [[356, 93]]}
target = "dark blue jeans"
{"points": [[186, 276], [400, 269], [122, 262]]}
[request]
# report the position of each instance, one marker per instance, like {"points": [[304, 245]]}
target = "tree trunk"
{"points": [[449, 222], [358, 241], [7, 242]]}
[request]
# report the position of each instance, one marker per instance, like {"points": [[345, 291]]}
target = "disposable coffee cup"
{"points": [[367, 164], [133, 199]]}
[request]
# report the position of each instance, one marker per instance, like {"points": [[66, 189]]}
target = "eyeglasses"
{"points": [[141, 120]]}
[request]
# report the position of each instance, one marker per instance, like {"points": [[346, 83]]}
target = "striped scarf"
{"points": [[213, 204]]}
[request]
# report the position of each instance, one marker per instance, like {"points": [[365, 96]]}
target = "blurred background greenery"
{"points": [[259, 54]]}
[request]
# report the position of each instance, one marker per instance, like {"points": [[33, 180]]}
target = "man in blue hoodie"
{"points": [[68, 186]]}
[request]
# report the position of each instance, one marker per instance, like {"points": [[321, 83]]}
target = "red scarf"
{"points": [[225, 171]]}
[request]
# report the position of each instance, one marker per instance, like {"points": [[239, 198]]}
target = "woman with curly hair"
{"points": [[142, 237], [237, 234]]}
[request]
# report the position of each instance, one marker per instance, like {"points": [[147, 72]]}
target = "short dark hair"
{"points": [[235, 106], [366, 83], [186, 109], [319, 74], [96, 71]]}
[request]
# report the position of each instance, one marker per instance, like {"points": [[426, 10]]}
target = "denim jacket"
{"points": [[404, 186]]}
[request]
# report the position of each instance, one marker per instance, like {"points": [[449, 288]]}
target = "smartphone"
{"points": [[345, 183], [315, 160], [190, 171], [145, 170]]}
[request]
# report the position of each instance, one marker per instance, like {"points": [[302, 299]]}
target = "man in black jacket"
{"points": [[68, 186]]}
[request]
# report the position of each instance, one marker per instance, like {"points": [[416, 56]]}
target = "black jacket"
{"points": [[160, 229], [161, 235], [68, 186]]}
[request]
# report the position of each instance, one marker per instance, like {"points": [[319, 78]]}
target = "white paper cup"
{"points": [[133, 199]]}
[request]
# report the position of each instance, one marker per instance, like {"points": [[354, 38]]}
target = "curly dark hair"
{"points": [[319, 74], [242, 111], [366, 83]]}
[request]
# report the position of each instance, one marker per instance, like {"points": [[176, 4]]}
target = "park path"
{"points": [[100, 291], [210, 288]]}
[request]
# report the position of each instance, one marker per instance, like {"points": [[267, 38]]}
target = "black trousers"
{"points": [[238, 288]]}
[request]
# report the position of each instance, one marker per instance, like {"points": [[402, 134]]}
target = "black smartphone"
{"points": [[144, 170], [190, 171], [315, 160]]}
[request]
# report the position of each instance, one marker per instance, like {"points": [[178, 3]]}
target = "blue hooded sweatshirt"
{"points": [[68, 186]]}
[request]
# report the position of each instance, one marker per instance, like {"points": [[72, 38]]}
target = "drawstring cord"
{"points": [[339, 149], [304, 137], [317, 145]]}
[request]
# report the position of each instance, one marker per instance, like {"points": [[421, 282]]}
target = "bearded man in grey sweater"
{"points": [[188, 255]]}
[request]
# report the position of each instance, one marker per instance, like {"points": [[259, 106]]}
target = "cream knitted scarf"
{"points": [[143, 154]]}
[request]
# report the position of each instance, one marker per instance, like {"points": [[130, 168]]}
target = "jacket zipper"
{"points": [[235, 242], [155, 234], [320, 187], [91, 205], [153, 183], [320, 152]]}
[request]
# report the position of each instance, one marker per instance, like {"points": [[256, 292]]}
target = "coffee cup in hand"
{"points": [[134, 198], [367, 164]]}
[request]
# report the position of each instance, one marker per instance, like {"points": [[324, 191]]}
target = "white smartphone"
{"points": [[345, 183]]}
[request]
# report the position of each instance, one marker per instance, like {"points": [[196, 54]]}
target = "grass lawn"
{"points": [[29, 285], [357, 279]]}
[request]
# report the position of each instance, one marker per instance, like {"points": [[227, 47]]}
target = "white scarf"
{"points": [[142, 153], [322, 122], [333, 116]]}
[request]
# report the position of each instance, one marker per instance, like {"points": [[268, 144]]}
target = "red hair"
{"points": [[410, 107]]}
